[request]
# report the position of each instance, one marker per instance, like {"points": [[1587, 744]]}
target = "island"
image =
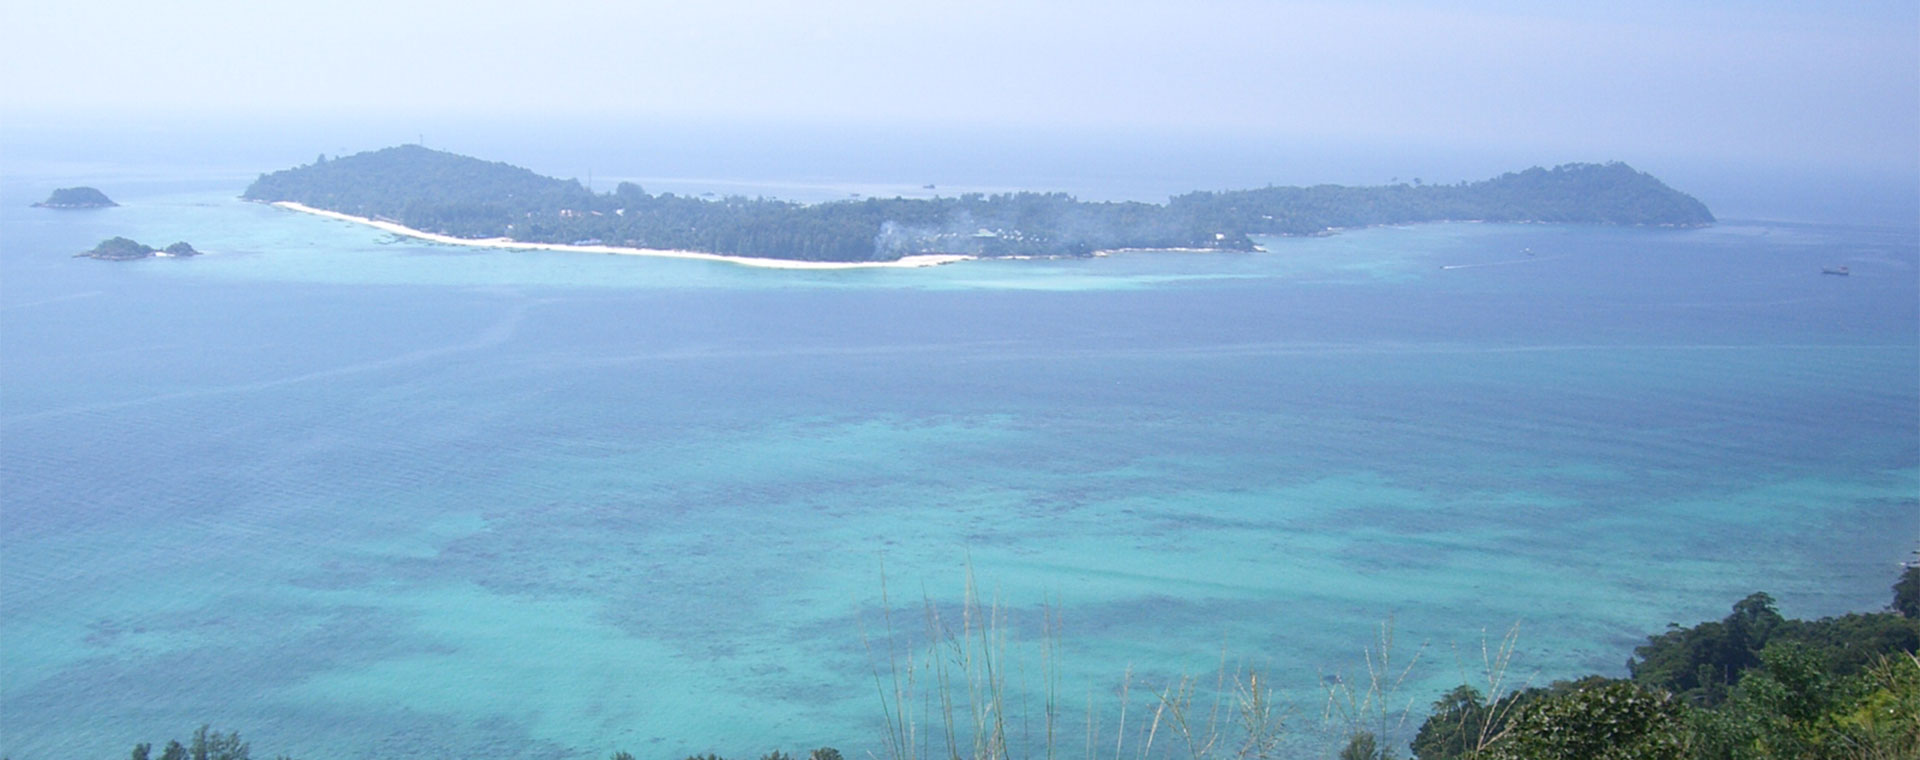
{"points": [[76, 197], [413, 190], [123, 249]]}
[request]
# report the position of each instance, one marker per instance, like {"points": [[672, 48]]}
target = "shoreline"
{"points": [[904, 262]]}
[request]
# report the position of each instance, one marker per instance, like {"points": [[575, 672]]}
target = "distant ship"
{"points": [[1842, 271]]}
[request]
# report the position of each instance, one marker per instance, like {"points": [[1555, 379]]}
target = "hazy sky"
{"points": [[1799, 81]]}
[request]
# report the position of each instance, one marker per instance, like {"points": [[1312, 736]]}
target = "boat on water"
{"points": [[1842, 271]]}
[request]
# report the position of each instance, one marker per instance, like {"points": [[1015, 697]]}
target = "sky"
{"points": [[1796, 83]]}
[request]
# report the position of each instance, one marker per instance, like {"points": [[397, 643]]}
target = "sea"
{"points": [[358, 496]]}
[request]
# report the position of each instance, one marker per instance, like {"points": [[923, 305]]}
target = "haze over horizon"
{"points": [[1741, 95], [1837, 84]]}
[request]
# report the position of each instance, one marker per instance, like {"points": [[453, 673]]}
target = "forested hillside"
{"points": [[466, 197]]}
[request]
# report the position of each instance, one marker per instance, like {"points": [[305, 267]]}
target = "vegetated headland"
{"points": [[436, 194]]}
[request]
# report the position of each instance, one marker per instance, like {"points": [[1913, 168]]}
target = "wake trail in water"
{"points": [[1334, 349], [1509, 262], [495, 334], [55, 299]]}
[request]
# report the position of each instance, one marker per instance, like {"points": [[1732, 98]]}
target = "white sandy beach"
{"points": [[905, 262]]}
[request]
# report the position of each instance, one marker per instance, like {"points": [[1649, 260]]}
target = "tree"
{"points": [[1906, 592], [1462, 723], [1788, 708], [1885, 721], [1701, 663], [1617, 720], [212, 745], [1363, 746], [1453, 728]]}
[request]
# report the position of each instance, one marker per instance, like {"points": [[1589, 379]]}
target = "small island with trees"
{"points": [[124, 249], [442, 195], [76, 197]]}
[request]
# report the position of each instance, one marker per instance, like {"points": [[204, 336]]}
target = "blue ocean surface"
{"points": [[364, 497]]}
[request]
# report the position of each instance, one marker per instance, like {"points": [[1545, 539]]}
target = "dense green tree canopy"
{"points": [[1752, 686], [1613, 720], [1702, 663], [1906, 592]]}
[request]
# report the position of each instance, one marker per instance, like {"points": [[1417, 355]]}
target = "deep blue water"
{"points": [[358, 497]]}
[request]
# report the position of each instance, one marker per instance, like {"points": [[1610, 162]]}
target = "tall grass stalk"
{"points": [[1494, 666], [1376, 710], [895, 703], [1186, 723], [965, 701]]}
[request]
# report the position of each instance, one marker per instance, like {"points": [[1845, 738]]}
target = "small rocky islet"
{"points": [[124, 249], [76, 197]]}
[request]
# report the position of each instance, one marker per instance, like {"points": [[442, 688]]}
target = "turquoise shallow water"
{"points": [[361, 497]]}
